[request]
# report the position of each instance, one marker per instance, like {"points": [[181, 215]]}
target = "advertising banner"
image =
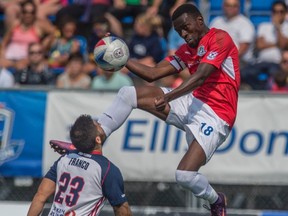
{"points": [[147, 149], [22, 115]]}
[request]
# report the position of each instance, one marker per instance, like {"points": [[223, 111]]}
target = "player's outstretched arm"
{"points": [[122, 210], [197, 79], [150, 74], [45, 190]]}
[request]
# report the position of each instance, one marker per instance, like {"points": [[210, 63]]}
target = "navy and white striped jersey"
{"points": [[83, 183]]}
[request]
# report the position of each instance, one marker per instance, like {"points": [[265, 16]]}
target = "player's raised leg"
{"points": [[127, 99]]}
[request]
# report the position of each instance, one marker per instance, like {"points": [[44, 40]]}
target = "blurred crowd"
{"points": [[51, 42]]}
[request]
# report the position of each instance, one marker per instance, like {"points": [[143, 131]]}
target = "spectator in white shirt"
{"points": [[272, 37], [240, 28], [6, 78]]}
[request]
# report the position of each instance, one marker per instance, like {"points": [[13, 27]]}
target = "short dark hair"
{"points": [[280, 78], [101, 20], [83, 133], [28, 2], [34, 43], [280, 2], [76, 57], [186, 8]]}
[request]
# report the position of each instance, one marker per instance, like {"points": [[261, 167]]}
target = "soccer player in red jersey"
{"points": [[204, 106]]}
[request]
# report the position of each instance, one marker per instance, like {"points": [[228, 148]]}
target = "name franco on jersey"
{"points": [[79, 163]]}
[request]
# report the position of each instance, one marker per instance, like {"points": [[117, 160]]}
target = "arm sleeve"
{"points": [[52, 173], [113, 186]]}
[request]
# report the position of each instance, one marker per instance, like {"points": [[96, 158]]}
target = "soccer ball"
{"points": [[111, 53]]}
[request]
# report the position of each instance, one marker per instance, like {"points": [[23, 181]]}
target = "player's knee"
{"points": [[128, 95], [186, 179]]}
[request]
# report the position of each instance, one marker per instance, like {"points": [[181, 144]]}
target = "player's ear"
{"points": [[98, 140], [200, 20]]}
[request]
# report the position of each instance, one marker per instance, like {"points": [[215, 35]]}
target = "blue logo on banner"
{"points": [[9, 149]]}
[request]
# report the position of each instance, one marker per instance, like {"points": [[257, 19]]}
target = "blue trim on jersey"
{"points": [[113, 184], [52, 173]]}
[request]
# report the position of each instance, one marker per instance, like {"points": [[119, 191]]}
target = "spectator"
{"points": [[37, 71], [45, 8], [240, 29], [273, 36], [106, 80], [284, 60], [84, 10], [280, 73], [145, 44], [64, 45], [280, 82], [6, 78], [48, 8], [27, 30], [132, 8], [73, 75], [260, 76], [11, 11]]}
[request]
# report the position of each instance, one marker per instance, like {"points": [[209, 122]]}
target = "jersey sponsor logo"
{"points": [[55, 211], [212, 55], [9, 149], [201, 50]]}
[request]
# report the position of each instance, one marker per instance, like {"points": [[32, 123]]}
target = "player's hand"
{"points": [[160, 103]]}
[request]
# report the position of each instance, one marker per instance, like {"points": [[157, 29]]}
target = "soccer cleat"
{"points": [[219, 207], [61, 147]]}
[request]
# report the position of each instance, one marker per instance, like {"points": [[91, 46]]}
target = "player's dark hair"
{"points": [[186, 8], [83, 133]]}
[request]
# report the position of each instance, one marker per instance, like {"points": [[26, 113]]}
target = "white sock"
{"points": [[196, 183], [119, 110]]}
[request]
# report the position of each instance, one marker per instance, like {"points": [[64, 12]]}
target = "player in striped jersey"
{"points": [[83, 179]]}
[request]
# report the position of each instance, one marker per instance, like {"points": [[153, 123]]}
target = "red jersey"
{"points": [[220, 89]]}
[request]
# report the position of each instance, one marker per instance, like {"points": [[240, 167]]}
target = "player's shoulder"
{"points": [[216, 34], [103, 161], [217, 31]]}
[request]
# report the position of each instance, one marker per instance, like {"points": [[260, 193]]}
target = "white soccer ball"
{"points": [[111, 53]]}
